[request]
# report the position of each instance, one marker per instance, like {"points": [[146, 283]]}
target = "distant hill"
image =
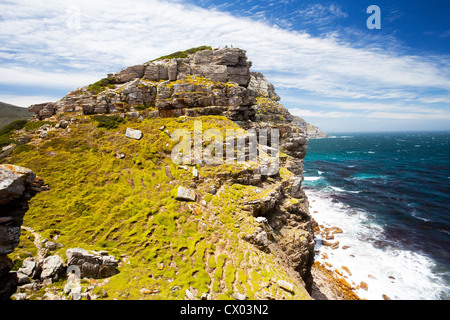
{"points": [[10, 113]]}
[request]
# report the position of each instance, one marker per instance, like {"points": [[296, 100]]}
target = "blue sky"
{"points": [[326, 65]]}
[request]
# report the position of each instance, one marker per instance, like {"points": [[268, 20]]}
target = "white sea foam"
{"points": [[399, 274], [312, 178], [337, 189]]}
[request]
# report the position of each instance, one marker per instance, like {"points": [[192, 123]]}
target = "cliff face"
{"points": [[234, 230], [17, 186], [310, 130]]}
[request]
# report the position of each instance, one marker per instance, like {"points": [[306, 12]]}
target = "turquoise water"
{"points": [[400, 183]]}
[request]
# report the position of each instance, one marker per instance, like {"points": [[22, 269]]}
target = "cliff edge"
{"points": [[216, 218]]}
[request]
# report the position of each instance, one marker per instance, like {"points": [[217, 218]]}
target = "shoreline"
{"points": [[328, 285], [345, 252], [334, 278]]}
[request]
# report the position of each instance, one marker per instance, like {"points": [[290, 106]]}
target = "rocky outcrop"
{"points": [[17, 186], [285, 226], [92, 264], [260, 87], [227, 72], [311, 131]]}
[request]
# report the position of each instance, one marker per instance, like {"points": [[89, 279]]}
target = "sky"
{"points": [[325, 63]]}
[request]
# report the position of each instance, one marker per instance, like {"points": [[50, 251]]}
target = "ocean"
{"points": [[390, 195]]}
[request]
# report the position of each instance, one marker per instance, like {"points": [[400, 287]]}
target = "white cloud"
{"points": [[26, 101], [320, 14], [22, 76], [322, 114]]}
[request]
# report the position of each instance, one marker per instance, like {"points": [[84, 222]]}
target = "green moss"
{"points": [[108, 122], [230, 276], [101, 85], [142, 107], [183, 54], [24, 250], [7, 131], [128, 207], [33, 125]]}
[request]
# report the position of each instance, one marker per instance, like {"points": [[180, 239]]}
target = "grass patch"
{"points": [[33, 125], [6, 132], [128, 207], [101, 85], [108, 122], [183, 54]]}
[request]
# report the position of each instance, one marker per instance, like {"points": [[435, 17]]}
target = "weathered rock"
{"points": [[262, 206], [52, 267], [43, 135], [363, 285], [43, 110], [92, 264], [189, 295], [259, 239], [133, 134], [332, 245], [22, 279], [261, 220], [17, 186], [185, 194], [293, 188], [63, 124], [261, 87], [286, 285], [239, 296], [13, 181], [50, 245], [20, 296], [310, 130], [130, 73], [31, 268]]}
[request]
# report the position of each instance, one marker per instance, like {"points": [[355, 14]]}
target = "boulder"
{"points": [[52, 267], [239, 296], [286, 285], [22, 279], [91, 263], [43, 110], [259, 239], [130, 73], [133, 134], [261, 87], [13, 181], [63, 124], [185, 194], [30, 268]]}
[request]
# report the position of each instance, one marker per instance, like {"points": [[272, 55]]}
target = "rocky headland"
{"points": [[182, 231]]}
